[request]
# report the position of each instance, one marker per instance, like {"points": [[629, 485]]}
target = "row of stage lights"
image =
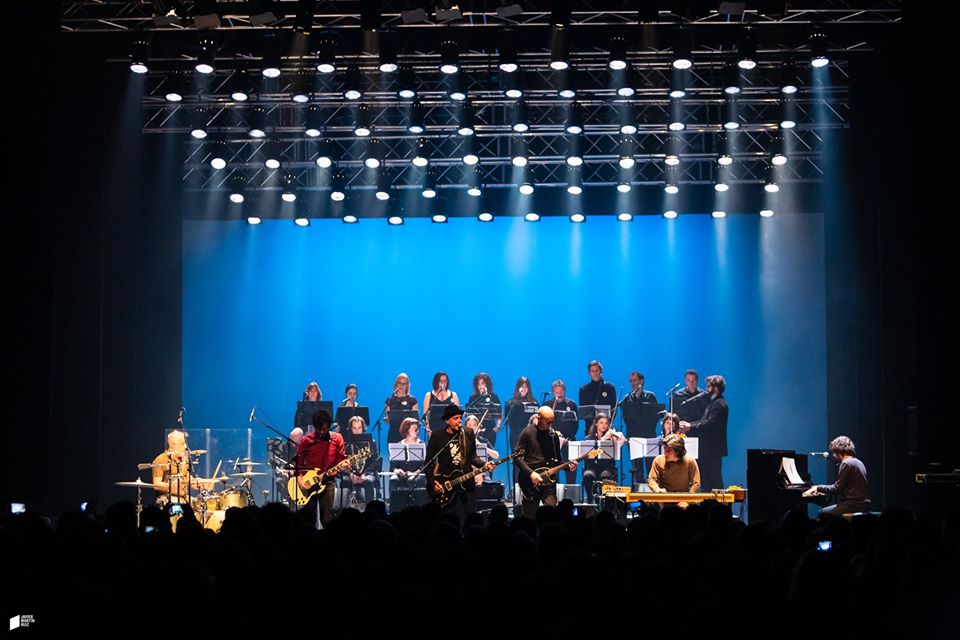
{"points": [[576, 218]]}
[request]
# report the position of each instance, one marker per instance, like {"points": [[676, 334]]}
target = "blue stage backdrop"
{"points": [[268, 308]]}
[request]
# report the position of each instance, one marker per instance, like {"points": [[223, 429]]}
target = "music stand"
{"points": [[435, 421], [405, 453], [565, 421], [641, 418], [345, 414], [305, 411], [588, 412], [578, 448], [652, 447]]}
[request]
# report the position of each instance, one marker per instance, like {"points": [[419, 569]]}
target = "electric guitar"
{"points": [[315, 478], [529, 489], [452, 484]]}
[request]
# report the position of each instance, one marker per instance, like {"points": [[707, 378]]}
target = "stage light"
{"points": [[206, 55], [532, 217], [302, 222], [289, 188], [771, 187], [618, 53], [238, 187], [466, 127], [439, 218], [206, 15], [628, 128], [349, 219], [264, 12], [337, 187], [566, 87], [574, 181], [681, 51], [314, 121], [456, 88], [325, 159], [140, 56], [388, 59], [361, 123], [485, 217], [383, 187], [671, 188], [218, 155], [788, 81], [818, 50], [559, 49], [574, 123], [254, 220], [512, 85], [421, 153], [526, 188], [272, 50], [257, 119], [471, 159], [721, 187], [678, 88], [725, 159], [766, 213], [670, 214], [779, 155], [241, 86], [626, 161], [747, 52], [407, 83], [449, 56], [271, 154], [395, 220], [625, 217], [429, 187], [176, 86], [374, 156], [518, 151], [353, 84], [198, 128], [676, 125], [577, 217], [302, 87], [623, 187], [475, 182], [574, 151], [731, 118], [521, 122], [671, 159], [788, 114], [770, 180], [627, 80], [327, 56], [731, 79], [719, 214], [508, 51], [415, 122]]}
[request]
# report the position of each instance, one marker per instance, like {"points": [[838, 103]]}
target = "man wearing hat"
{"points": [[673, 470], [451, 452]]}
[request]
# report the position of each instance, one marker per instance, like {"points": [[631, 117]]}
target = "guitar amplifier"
{"points": [[569, 492]]}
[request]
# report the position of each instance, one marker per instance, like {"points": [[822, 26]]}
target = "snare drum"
{"points": [[233, 498], [209, 502]]}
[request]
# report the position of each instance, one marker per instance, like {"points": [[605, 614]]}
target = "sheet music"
{"points": [[789, 467]]}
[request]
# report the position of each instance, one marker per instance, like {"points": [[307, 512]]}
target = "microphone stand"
{"points": [[378, 426], [296, 466]]}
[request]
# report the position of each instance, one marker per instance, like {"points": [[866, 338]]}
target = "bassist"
{"points": [[541, 446]]}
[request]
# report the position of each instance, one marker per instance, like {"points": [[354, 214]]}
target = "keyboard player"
{"points": [[674, 471]]}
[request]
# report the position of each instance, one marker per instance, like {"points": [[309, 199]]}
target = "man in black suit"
{"points": [[711, 430]]}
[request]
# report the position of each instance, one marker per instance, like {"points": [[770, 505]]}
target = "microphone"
{"points": [[696, 397], [543, 397], [820, 454], [674, 388], [252, 411]]}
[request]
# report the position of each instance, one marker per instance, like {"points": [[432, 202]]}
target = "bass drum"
{"points": [[233, 498], [214, 520]]}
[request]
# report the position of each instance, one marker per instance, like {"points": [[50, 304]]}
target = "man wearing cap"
{"points": [[451, 452], [673, 470]]}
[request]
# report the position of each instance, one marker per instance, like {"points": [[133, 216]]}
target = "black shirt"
{"points": [[567, 428], [541, 448], [489, 403], [395, 403], [639, 423], [692, 410], [454, 459], [711, 429], [851, 484], [598, 392]]}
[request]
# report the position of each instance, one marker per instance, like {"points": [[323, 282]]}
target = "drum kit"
{"points": [[210, 503]]}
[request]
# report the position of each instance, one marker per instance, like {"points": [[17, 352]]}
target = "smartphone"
{"points": [[824, 545], [84, 505], [18, 507], [176, 510], [150, 529]]}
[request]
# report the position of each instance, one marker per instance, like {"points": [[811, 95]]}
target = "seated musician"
{"points": [[172, 478], [673, 470], [361, 479], [602, 468], [320, 450], [472, 423], [851, 485], [541, 447], [407, 486]]}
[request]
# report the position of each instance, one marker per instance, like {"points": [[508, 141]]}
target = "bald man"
{"points": [[541, 448]]}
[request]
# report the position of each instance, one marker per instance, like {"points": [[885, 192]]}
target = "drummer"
{"points": [[171, 471]]}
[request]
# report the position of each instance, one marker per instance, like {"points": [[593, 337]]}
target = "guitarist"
{"points": [[450, 452], [321, 450], [541, 446]]}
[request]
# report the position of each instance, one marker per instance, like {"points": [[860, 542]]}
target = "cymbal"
{"points": [[247, 474], [150, 465], [136, 483], [193, 452], [222, 478], [250, 463]]}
